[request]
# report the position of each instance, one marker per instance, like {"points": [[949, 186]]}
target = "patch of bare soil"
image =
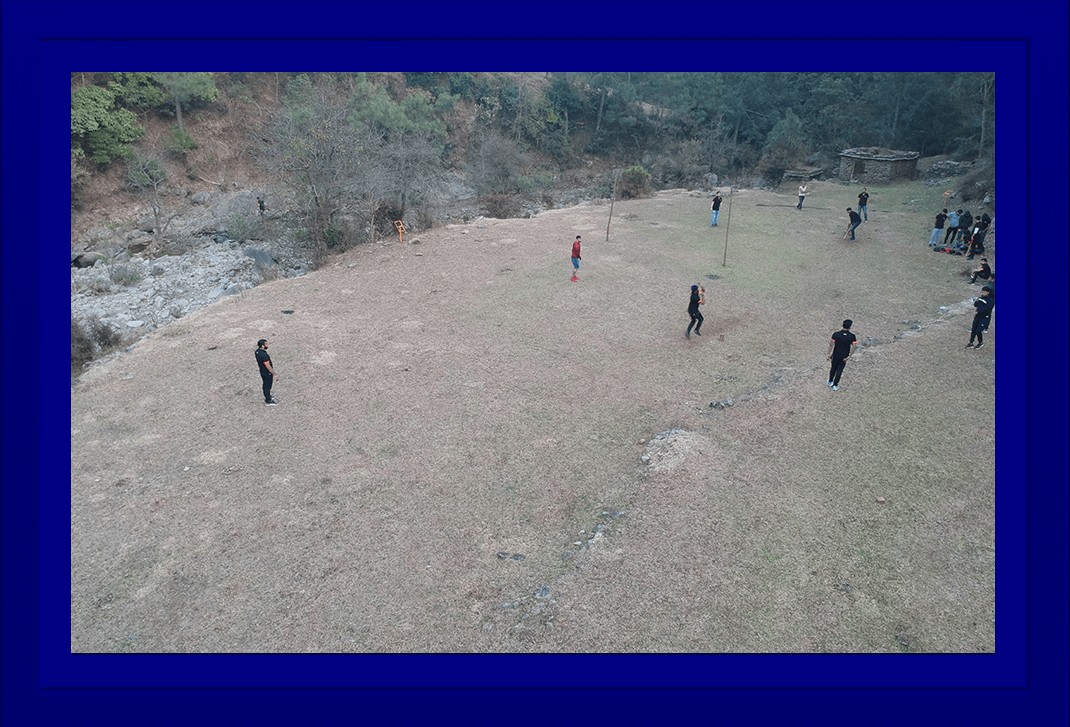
{"points": [[449, 406]]}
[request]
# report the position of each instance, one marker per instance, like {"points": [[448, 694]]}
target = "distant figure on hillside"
{"points": [[803, 189], [576, 259], [841, 347], [952, 227], [260, 205], [267, 373], [948, 194], [983, 317], [697, 299], [984, 272], [716, 209], [854, 222], [863, 202], [938, 228]]}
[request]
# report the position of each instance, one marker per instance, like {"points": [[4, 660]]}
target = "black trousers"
{"points": [[836, 370], [696, 321], [978, 330], [801, 198], [950, 235], [268, 380]]}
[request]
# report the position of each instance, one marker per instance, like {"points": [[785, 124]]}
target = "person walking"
{"points": [[715, 209], [938, 229], [260, 205], [984, 272], [697, 299], [982, 317], [267, 373], [576, 259], [854, 222], [840, 349], [863, 202], [803, 189], [952, 227]]}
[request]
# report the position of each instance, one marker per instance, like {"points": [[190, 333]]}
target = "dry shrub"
{"points": [[502, 206]]}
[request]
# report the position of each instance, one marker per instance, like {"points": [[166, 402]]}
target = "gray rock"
{"points": [[503, 556], [201, 198], [543, 592], [148, 224], [135, 324], [618, 514], [518, 556]]}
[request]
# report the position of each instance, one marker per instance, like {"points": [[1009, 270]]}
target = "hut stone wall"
{"points": [[877, 166]]}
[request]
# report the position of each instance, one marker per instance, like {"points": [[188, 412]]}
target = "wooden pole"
{"points": [[727, 225], [613, 197]]}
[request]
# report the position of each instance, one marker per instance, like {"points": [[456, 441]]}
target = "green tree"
{"points": [[184, 89], [137, 90], [634, 182], [98, 128], [785, 146]]}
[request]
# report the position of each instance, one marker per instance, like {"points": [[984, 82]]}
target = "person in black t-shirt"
{"points": [[715, 209], [984, 272], [841, 347], [697, 299], [863, 203], [267, 373], [854, 222], [982, 318], [938, 228], [260, 205]]}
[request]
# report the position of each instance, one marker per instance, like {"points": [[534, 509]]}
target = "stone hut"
{"points": [[873, 165]]}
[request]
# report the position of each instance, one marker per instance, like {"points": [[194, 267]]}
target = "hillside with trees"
{"points": [[354, 151]]}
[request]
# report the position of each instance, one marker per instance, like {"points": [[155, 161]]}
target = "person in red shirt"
{"points": [[576, 259]]}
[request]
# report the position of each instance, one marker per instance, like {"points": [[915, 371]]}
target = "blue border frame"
{"points": [[43, 681]]}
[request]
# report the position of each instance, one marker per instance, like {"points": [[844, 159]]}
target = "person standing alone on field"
{"points": [[863, 202], [840, 349], [576, 259], [697, 299], [715, 209], [938, 229], [803, 189], [854, 222], [267, 373]]}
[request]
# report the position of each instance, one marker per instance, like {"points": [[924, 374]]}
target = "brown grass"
{"points": [[441, 408]]}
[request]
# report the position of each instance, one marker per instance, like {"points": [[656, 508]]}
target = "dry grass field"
{"points": [[448, 405]]}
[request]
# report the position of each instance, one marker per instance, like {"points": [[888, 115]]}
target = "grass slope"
{"points": [[441, 408]]}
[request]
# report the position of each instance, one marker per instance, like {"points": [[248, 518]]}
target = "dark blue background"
{"points": [[1024, 680]]}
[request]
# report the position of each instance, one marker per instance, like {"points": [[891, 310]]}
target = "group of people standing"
{"points": [[969, 231]]}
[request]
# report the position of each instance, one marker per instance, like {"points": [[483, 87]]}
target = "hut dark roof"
{"points": [[879, 154]]}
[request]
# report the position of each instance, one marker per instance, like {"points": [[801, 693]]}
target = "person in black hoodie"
{"points": [[965, 225], [982, 317]]}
